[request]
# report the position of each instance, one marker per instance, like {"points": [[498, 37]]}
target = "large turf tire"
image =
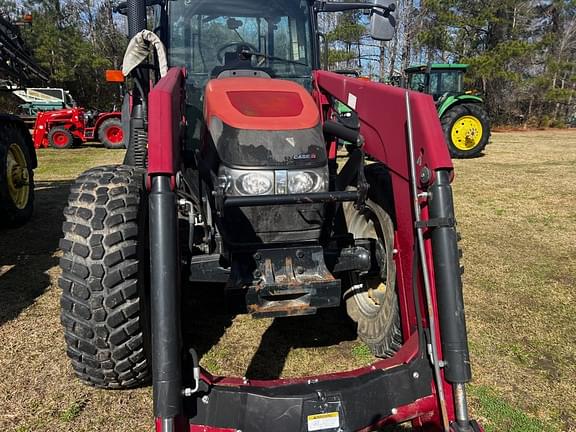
{"points": [[16, 176], [104, 297], [60, 138], [111, 134], [456, 120], [378, 324]]}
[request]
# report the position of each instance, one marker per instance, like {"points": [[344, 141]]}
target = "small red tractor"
{"points": [[65, 128], [232, 176]]}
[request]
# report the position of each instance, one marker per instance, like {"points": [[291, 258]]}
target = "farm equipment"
{"points": [[231, 176], [17, 155], [44, 99], [62, 129], [464, 120]]}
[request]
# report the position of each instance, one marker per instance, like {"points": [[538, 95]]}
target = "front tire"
{"points": [[60, 138], [466, 129], [371, 300], [103, 304], [16, 177]]}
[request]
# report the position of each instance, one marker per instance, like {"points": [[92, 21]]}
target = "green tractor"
{"points": [[464, 120]]}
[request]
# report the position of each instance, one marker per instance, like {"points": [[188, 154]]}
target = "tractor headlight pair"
{"points": [[280, 182]]}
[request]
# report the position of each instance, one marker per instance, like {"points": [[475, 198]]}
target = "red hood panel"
{"points": [[260, 104]]}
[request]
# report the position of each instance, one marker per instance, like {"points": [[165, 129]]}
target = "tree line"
{"points": [[75, 41], [522, 54]]}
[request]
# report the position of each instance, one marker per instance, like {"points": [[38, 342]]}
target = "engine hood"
{"points": [[260, 104], [261, 122]]}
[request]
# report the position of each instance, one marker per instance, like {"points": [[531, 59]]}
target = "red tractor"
{"points": [[65, 128], [232, 177]]}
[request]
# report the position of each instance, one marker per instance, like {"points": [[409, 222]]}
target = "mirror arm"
{"points": [[326, 6]]}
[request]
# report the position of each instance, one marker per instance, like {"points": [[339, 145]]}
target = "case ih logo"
{"points": [[305, 156]]}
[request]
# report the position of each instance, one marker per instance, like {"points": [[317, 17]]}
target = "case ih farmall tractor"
{"points": [[231, 176]]}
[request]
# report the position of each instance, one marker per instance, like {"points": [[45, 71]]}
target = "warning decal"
{"points": [[319, 422]]}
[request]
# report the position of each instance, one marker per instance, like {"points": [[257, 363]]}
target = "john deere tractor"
{"points": [[464, 120]]}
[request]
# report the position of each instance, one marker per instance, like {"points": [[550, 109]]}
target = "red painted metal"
{"points": [[201, 428], [406, 354], [243, 102], [73, 119], [383, 119], [114, 134], [266, 103], [165, 123], [60, 139]]}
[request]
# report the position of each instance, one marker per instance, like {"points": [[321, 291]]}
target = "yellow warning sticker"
{"points": [[319, 422]]}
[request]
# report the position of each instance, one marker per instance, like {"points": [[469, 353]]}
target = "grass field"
{"points": [[518, 222]]}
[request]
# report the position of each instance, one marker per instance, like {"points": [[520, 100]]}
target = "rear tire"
{"points": [[104, 298], [60, 138], [111, 134], [461, 125], [371, 301], [16, 177]]}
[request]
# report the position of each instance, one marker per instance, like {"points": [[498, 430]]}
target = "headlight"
{"points": [[304, 182], [280, 182], [255, 183]]}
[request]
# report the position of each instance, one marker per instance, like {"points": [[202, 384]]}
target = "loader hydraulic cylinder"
{"points": [[449, 291], [165, 303], [448, 281]]}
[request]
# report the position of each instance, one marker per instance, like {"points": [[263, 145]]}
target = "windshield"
{"points": [[441, 82], [207, 36]]}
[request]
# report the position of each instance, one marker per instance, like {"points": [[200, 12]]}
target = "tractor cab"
{"points": [[437, 79], [242, 38]]}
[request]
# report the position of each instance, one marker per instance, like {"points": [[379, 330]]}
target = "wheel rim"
{"points": [[114, 134], [372, 289], [60, 139], [18, 176], [467, 132]]}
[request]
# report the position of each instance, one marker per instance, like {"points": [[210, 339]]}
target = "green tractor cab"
{"points": [[462, 114]]}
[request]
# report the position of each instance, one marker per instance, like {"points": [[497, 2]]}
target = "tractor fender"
{"points": [[19, 123], [103, 117], [451, 101]]}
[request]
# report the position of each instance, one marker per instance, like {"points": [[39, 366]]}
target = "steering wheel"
{"points": [[240, 46]]}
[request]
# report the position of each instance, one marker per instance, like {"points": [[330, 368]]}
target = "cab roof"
{"points": [[437, 66]]}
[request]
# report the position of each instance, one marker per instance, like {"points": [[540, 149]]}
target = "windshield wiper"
{"points": [[269, 57]]}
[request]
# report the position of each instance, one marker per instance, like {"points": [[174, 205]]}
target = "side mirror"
{"points": [[383, 20]]}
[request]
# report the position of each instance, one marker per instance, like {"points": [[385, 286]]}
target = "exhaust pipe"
{"points": [[136, 17], [138, 135]]}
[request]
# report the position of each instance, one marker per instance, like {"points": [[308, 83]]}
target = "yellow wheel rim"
{"points": [[467, 132], [18, 176]]}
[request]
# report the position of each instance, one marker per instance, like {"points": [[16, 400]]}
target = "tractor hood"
{"points": [[262, 122]]}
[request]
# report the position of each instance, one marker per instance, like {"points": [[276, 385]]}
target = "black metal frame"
{"points": [[359, 401]]}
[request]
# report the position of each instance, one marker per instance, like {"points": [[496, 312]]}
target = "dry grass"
{"points": [[519, 229], [518, 221]]}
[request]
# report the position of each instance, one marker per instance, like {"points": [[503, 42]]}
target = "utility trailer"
{"points": [[231, 176], [17, 154]]}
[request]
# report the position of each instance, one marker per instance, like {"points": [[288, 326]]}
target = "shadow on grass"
{"points": [[327, 328], [27, 252], [209, 312]]}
